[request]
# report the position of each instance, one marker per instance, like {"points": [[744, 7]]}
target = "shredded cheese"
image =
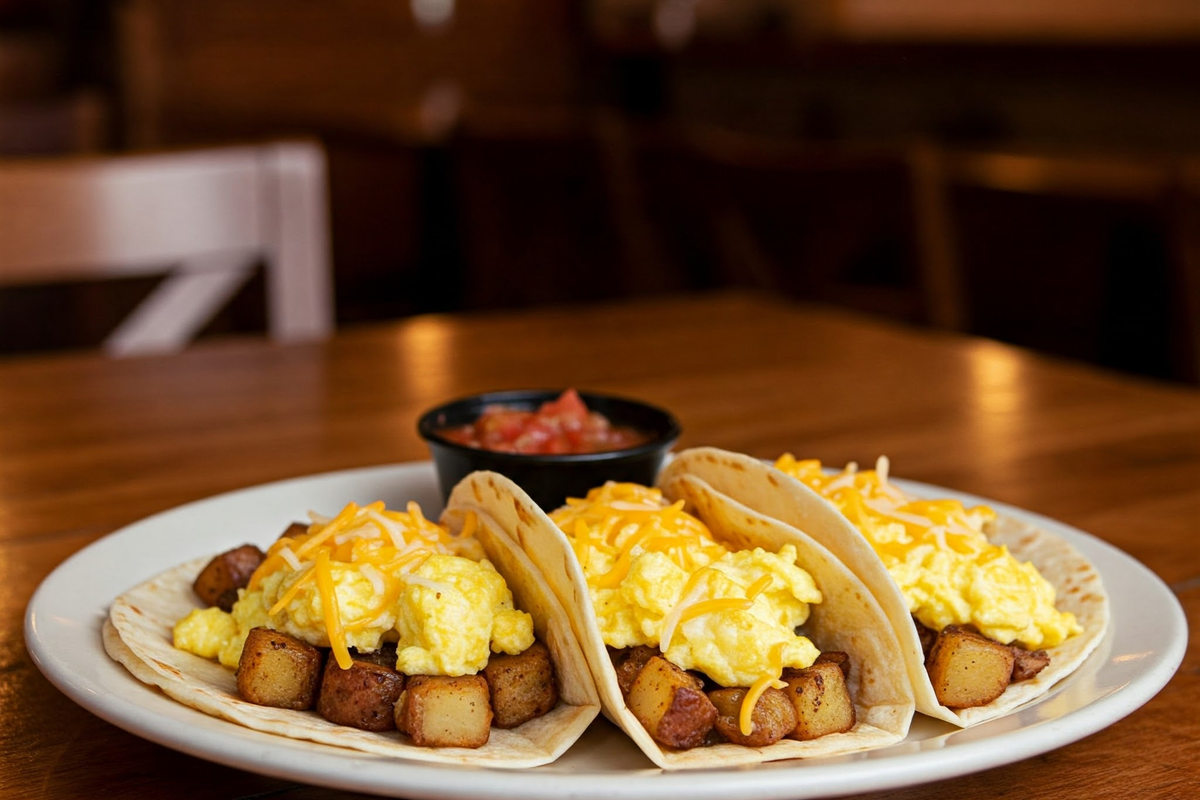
{"points": [[939, 554], [769, 679], [329, 605], [619, 522], [689, 596], [292, 591], [291, 558], [759, 586], [323, 533], [377, 578], [384, 546], [872, 503], [622, 519]]}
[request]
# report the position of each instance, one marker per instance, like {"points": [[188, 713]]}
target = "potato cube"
{"points": [[278, 670], [967, 669], [363, 696], [385, 656], [441, 711], [836, 657], [821, 700], [218, 582], [522, 686], [629, 662], [773, 718], [1028, 663], [295, 530], [671, 704]]}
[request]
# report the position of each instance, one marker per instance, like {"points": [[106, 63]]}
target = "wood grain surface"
{"points": [[88, 445]]}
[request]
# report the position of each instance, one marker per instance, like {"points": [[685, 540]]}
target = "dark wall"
{"points": [[526, 154]]}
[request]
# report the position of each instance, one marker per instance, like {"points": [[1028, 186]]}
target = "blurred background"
{"points": [[1023, 170]]}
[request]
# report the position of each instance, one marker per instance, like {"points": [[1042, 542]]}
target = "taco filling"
{"points": [[659, 582], [955, 581], [989, 610], [705, 632], [376, 620]]}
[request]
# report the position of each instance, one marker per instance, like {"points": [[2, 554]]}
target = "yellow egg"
{"points": [[369, 576], [303, 615], [204, 631], [735, 645], [446, 620], [939, 555], [656, 577]]}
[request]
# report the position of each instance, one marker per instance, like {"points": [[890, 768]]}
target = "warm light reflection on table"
{"points": [[999, 398], [425, 355]]}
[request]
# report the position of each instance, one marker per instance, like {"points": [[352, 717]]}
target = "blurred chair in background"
{"points": [[552, 208], [207, 219], [822, 222], [814, 221], [76, 123], [1092, 256], [384, 84]]}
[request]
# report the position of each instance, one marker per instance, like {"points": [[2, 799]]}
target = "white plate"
{"points": [[1136, 659]]}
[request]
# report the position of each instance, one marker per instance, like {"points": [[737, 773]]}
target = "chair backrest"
{"points": [[205, 218], [1166, 186]]}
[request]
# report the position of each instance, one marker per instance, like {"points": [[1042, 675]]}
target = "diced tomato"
{"points": [[568, 408], [562, 425]]}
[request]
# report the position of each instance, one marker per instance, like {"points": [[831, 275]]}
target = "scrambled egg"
{"points": [[386, 576], [657, 577], [938, 554]]}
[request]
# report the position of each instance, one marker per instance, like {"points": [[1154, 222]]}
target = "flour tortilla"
{"points": [[138, 634], [778, 495], [849, 619]]}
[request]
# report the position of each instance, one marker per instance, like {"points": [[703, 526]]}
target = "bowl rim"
{"points": [[664, 437]]}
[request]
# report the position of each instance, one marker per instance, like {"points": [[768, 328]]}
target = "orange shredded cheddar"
{"points": [[293, 590], [384, 546], [653, 568], [746, 714], [329, 606]]}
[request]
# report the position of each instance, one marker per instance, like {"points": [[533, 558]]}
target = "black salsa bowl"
{"points": [[550, 479]]}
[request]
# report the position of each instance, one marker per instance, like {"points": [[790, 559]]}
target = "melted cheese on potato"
{"points": [[369, 576], [938, 553], [657, 577]]}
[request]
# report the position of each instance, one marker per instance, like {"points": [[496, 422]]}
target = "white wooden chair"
{"points": [[206, 218]]}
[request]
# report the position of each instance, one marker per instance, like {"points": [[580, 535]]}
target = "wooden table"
{"points": [[88, 445]]}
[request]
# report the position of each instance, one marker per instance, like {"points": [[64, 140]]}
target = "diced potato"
{"points": [[836, 657], [821, 700], [1028, 663], [278, 670], [226, 600], [967, 669], [671, 704], [773, 718], [629, 662], [385, 656], [363, 696], [295, 530], [218, 582], [522, 686], [441, 711]]}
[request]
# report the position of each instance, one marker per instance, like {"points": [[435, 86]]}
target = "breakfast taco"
{"points": [[989, 610], [716, 636], [376, 630]]}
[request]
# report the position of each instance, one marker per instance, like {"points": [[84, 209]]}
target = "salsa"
{"points": [[559, 426]]}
